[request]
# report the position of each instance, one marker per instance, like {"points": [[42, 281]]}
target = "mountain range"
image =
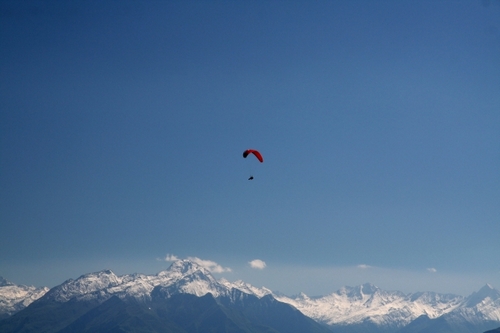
{"points": [[14, 298], [187, 298], [367, 308]]}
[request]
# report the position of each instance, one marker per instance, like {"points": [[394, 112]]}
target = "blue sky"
{"points": [[122, 127]]}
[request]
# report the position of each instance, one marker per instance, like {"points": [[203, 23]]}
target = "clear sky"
{"points": [[122, 127]]}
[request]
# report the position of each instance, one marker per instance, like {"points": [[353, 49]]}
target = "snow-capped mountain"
{"points": [[355, 305], [185, 298], [350, 309], [183, 276], [14, 298], [389, 311], [479, 310]]}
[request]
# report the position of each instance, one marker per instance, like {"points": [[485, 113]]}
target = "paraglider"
{"points": [[256, 153]]}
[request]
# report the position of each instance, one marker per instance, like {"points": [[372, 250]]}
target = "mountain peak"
{"points": [[368, 289], [485, 292], [488, 286], [488, 290], [185, 267], [360, 291], [14, 298], [84, 286], [4, 282], [105, 276]]}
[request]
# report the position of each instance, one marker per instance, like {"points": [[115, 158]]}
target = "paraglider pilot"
{"points": [[256, 153]]}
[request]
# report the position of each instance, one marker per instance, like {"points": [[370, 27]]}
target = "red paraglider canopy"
{"points": [[255, 152]]}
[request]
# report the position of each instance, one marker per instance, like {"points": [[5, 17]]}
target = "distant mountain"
{"points": [[186, 298], [367, 308], [477, 313], [14, 298]]}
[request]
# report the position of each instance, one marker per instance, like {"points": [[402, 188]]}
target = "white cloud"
{"points": [[432, 270], [363, 266], [257, 264], [171, 257], [212, 266]]}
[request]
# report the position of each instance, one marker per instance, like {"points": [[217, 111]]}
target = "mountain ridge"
{"points": [[14, 298], [184, 299], [364, 307], [370, 309]]}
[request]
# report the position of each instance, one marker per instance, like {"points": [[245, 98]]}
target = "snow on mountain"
{"points": [[183, 276], [362, 305], [369, 304], [484, 297], [199, 282], [247, 288], [14, 298], [355, 305], [483, 305]]}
